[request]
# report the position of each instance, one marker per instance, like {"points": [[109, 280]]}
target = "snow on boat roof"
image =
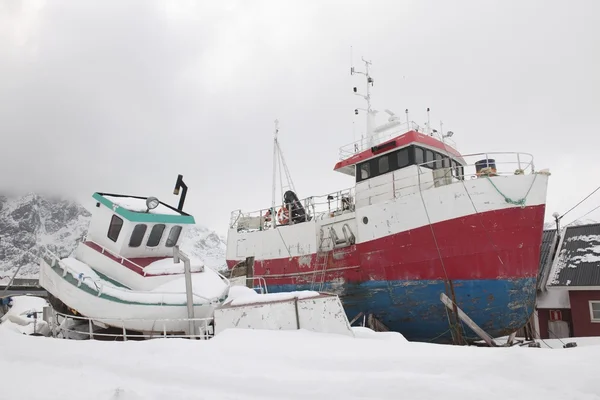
{"points": [[133, 208]]}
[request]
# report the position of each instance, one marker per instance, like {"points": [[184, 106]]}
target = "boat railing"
{"points": [[115, 255], [101, 287], [350, 149], [203, 327], [474, 166], [316, 207]]}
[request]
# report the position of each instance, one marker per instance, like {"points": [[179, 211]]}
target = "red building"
{"points": [[568, 302]]}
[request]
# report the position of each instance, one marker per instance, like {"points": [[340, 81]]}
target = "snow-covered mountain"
{"points": [[28, 223]]}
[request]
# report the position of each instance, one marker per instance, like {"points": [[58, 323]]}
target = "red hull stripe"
{"points": [[502, 244], [401, 141], [129, 263]]}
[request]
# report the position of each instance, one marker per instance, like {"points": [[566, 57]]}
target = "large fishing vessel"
{"points": [[421, 220]]}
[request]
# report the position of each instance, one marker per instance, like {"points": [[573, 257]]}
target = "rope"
{"points": [[447, 283], [520, 202]]}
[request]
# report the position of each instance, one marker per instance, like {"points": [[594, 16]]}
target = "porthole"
{"points": [[365, 220]]}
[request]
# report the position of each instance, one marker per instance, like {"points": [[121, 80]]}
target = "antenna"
{"points": [[428, 123], [407, 123], [367, 97]]}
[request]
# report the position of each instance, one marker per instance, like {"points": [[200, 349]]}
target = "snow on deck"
{"points": [[139, 205], [237, 297], [205, 284], [167, 266], [253, 364]]}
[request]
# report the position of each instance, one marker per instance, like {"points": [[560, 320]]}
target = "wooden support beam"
{"points": [[465, 318]]}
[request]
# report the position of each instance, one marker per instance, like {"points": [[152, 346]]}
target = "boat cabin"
{"points": [[400, 166], [136, 227]]}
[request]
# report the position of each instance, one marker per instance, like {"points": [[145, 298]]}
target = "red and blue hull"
{"points": [[491, 259]]}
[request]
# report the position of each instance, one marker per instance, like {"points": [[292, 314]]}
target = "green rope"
{"points": [[520, 202]]}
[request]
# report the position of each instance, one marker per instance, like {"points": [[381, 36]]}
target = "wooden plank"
{"points": [[465, 318]]}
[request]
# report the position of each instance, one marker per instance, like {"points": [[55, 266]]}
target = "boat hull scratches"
{"points": [[499, 306]]}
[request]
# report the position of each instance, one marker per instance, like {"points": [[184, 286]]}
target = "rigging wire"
{"points": [[584, 215], [575, 206]]}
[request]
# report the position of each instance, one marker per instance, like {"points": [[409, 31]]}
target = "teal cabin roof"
{"points": [[133, 208]]}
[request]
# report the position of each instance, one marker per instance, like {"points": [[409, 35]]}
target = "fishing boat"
{"points": [[420, 220], [129, 273]]}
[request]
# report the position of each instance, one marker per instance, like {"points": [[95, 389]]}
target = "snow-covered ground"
{"points": [[252, 364]]}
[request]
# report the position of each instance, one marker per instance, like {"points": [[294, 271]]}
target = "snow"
{"points": [[139, 205], [554, 298], [205, 285], [16, 318], [168, 266], [242, 299], [254, 364]]}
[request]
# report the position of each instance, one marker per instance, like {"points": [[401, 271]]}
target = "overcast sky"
{"points": [[121, 96]]}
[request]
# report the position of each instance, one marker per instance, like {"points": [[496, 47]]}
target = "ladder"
{"points": [[321, 261]]}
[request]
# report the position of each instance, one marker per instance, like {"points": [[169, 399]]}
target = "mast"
{"points": [[274, 165], [370, 112]]}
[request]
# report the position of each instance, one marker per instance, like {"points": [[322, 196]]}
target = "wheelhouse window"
{"points": [[114, 228], [403, 158], [419, 156], [595, 311], [365, 171], [155, 235], [137, 235], [384, 165], [173, 236], [438, 161], [428, 159]]}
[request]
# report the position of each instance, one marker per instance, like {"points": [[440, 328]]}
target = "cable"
{"points": [[585, 198], [584, 215]]}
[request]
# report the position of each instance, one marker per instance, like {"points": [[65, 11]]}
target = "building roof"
{"points": [[133, 208], [549, 238], [578, 258]]}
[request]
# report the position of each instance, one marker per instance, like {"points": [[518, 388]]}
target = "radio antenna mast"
{"points": [[370, 112]]}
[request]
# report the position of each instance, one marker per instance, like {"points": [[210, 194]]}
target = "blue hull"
{"points": [[414, 309]]}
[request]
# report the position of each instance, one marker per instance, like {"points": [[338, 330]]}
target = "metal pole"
{"points": [[177, 255], [274, 170]]}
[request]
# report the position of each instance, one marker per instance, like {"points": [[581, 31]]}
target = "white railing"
{"points": [[100, 286], [350, 149], [316, 207], [340, 202], [123, 259], [203, 327]]}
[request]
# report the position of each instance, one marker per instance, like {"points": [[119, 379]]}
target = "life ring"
{"points": [[268, 216], [283, 216]]}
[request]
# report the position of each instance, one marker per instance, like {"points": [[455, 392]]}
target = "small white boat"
{"points": [[128, 271]]}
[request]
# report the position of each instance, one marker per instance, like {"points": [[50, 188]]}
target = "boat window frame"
{"points": [[139, 242], [150, 236], [170, 242], [411, 155], [114, 222]]}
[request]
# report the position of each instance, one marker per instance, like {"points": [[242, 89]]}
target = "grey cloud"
{"points": [[122, 96]]}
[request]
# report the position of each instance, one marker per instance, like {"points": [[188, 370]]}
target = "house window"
{"points": [[446, 162], [173, 236], [114, 228], [155, 235], [137, 235], [384, 165], [595, 311], [403, 158]]}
